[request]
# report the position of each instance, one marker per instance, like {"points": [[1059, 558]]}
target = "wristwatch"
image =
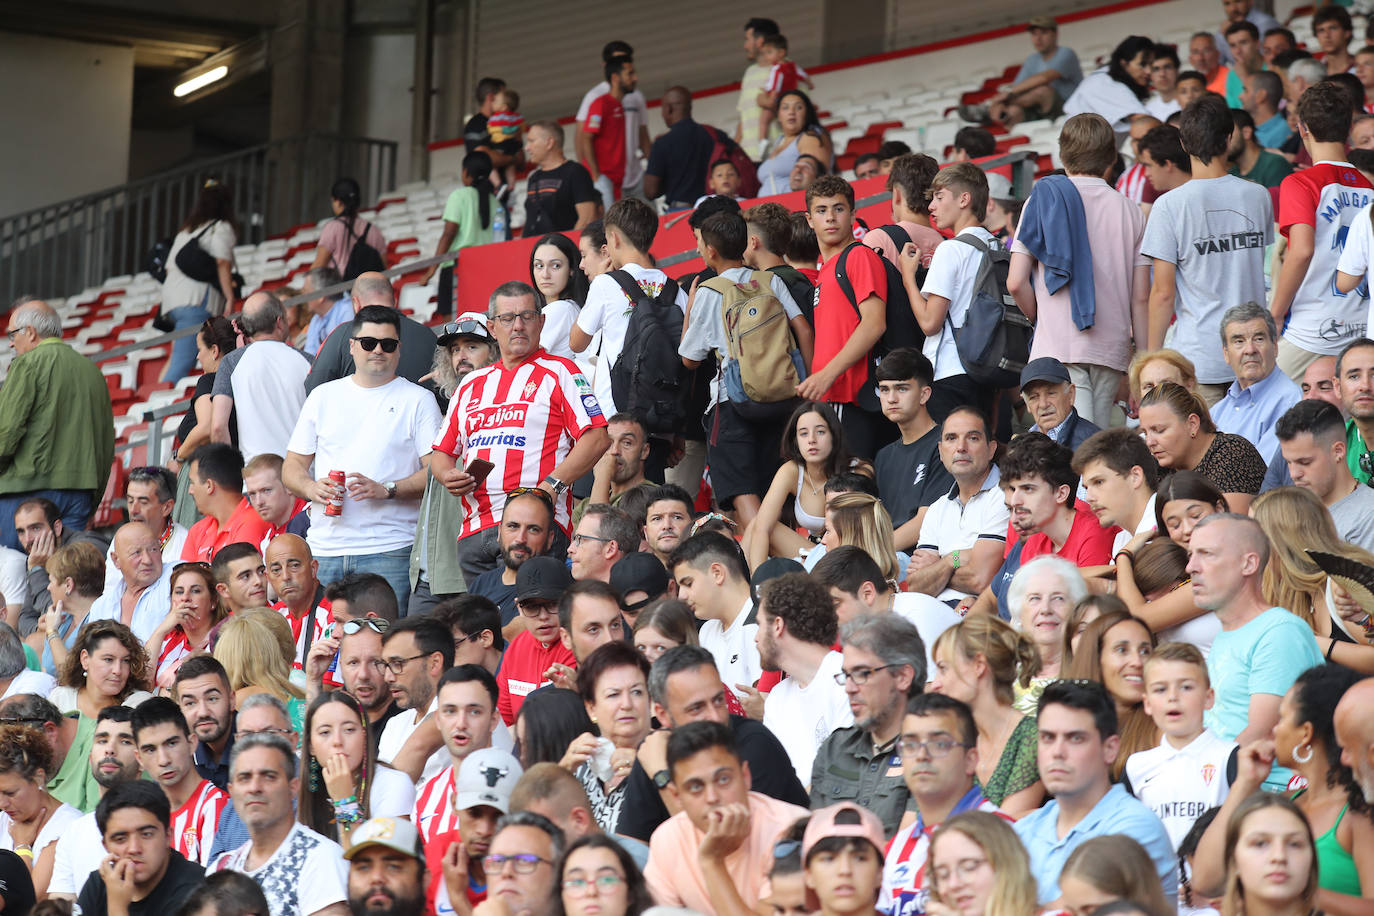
{"points": [[662, 778], [559, 487], [390, 489]]}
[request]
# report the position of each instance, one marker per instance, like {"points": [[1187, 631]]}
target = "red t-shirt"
{"points": [[522, 671], [205, 538], [606, 123], [1089, 544], [837, 318]]}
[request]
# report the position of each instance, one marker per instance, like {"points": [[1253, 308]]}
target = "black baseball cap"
{"points": [[639, 572], [542, 578]]}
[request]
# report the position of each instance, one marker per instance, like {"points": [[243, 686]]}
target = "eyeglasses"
{"points": [[396, 665], [525, 863], [964, 867], [389, 344], [536, 608], [376, 624], [458, 641], [602, 883], [470, 327], [10, 334], [284, 732], [860, 676], [527, 316], [579, 538], [935, 747]]}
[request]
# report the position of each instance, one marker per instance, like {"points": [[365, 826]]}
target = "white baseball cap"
{"points": [[487, 777]]}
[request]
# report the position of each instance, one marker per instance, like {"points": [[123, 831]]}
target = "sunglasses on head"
{"points": [[389, 344], [378, 625], [470, 327]]}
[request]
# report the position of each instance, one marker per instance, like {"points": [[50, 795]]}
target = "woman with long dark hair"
{"points": [[548, 722], [187, 301], [1117, 91], [472, 216], [1113, 652], [217, 337], [342, 233], [802, 134], [813, 450], [560, 289]]}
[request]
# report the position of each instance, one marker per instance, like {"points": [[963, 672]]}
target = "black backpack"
{"points": [[648, 378], [363, 257], [994, 343], [902, 329], [155, 261], [803, 293]]}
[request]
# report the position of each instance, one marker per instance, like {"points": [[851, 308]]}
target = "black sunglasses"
{"points": [[471, 327], [389, 344]]}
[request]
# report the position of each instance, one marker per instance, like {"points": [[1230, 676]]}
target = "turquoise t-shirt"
{"points": [[463, 210], [1265, 655]]}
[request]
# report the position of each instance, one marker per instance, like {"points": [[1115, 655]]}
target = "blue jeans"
{"points": [[183, 358], [74, 505], [393, 566]]}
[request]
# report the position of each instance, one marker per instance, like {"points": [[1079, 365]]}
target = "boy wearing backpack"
{"points": [[958, 203], [908, 181], [847, 328], [769, 229], [631, 224], [749, 319]]}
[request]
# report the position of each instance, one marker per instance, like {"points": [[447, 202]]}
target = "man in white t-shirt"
{"points": [[636, 118], [631, 225], [416, 651], [752, 82], [796, 634], [965, 531], [1119, 477], [266, 397], [857, 588], [713, 579], [300, 872], [377, 428]]}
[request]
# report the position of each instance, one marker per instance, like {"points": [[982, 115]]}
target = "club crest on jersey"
{"points": [[530, 389], [1209, 772]]}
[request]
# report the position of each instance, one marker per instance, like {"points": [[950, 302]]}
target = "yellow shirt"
{"points": [[750, 85]]}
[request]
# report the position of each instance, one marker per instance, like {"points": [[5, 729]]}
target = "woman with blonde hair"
{"points": [[860, 520], [1107, 868], [1295, 521], [255, 647], [978, 867], [1112, 652], [1179, 431], [979, 661], [76, 577], [1153, 368]]}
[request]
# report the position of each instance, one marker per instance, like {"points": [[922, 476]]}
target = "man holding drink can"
{"points": [[374, 430]]}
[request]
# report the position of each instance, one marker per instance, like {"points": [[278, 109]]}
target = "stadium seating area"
{"points": [[901, 96]]}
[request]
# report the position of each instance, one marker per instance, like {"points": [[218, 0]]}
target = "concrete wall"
{"points": [[378, 72], [66, 109]]}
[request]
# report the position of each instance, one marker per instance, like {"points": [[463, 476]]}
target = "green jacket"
{"points": [[441, 517], [56, 424]]}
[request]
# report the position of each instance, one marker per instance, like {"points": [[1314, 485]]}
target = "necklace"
{"points": [[815, 488]]}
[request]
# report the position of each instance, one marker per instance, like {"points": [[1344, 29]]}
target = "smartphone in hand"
{"points": [[479, 468]]}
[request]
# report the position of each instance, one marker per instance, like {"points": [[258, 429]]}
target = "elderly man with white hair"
{"points": [[56, 423]]}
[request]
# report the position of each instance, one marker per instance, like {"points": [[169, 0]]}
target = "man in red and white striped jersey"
{"points": [[292, 570], [163, 741], [532, 415], [466, 717]]}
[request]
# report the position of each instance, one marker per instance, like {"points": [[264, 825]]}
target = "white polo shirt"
{"points": [[951, 525]]}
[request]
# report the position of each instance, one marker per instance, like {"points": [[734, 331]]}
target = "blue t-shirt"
{"points": [[1063, 60], [1116, 812], [1266, 656]]}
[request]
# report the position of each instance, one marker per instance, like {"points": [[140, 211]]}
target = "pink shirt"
{"points": [[924, 237], [340, 239], [1115, 227], [674, 875]]}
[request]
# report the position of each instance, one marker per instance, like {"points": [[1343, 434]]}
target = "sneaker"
{"points": [[978, 114]]}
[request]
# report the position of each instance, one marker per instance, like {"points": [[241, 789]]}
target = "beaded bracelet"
{"points": [[347, 811]]}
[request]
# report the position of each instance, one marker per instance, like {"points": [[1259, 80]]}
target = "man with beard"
{"points": [[240, 576], [667, 517], [386, 869], [202, 691], [293, 572], [464, 346], [416, 652], [797, 627], [357, 644], [112, 760], [140, 873], [621, 469], [527, 523], [485, 782], [301, 872], [1355, 734]]}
